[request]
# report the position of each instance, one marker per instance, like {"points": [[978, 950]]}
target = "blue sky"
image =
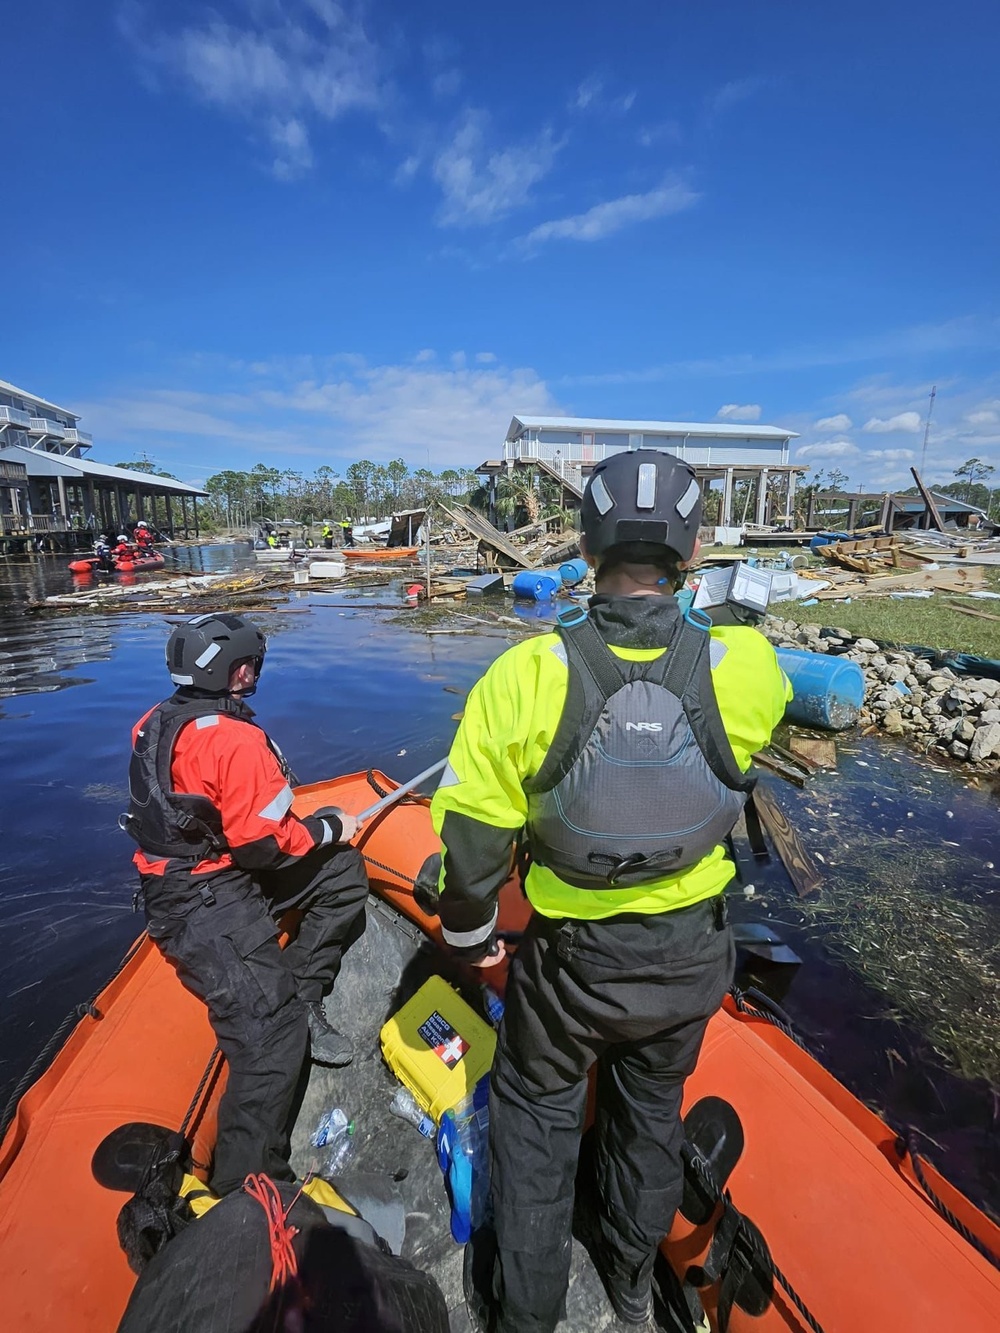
{"points": [[301, 232]]}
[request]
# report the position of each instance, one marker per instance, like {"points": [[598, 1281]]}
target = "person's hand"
{"points": [[350, 826], [497, 955]]}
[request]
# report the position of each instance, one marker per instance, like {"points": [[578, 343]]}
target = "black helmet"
{"points": [[204, 651], [644, 495]]}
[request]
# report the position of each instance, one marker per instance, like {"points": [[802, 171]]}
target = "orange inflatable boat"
{"points": [[842, 1207], [380, 553]]}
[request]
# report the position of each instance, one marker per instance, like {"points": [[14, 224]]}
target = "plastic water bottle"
{"points": [[493, 1004], [334, 1133], [404, 1104]]}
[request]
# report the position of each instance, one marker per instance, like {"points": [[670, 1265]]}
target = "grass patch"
{"points": [[929, 622], [935, 959]]}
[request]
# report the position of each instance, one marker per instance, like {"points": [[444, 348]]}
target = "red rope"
{"points": [[284, 1264]]}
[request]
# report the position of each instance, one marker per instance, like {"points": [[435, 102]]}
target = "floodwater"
{"points": [[345, 689]]}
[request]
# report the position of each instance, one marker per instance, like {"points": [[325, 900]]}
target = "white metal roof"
{"points": [[702, 429], [34, 398], [42, 464]]}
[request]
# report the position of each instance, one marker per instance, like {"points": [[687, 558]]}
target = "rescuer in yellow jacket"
{"points": [[619, 747]]}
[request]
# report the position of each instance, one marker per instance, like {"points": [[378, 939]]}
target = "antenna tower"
{"points": [[927, 428]]}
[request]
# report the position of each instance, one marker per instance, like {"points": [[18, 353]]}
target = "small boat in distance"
{"points": [[93, 564], [379, 552]]}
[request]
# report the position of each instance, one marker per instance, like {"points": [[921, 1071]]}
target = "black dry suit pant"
{"points": [[219, 932], [633, 994]]}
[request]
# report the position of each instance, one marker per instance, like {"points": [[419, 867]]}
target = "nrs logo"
{"points": [[643, 726]]}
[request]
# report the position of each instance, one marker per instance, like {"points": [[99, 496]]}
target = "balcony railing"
{"points": [[553, 453], [13, 416], [20, 525], [81, 437], [15, 472], [43, 426]]}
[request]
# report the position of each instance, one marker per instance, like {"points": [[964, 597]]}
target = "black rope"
{"points": [[44, 1057], [209, 1072], [795, 1298], [388, 869], [758, 1005], [908, 1143], [376, 786]]}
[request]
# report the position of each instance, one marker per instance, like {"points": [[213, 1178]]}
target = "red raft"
{"points": [[842, 1208], [122, 564]]}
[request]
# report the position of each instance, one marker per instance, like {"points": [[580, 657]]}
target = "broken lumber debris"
{"points": [[794, 857], [467, 517], [819, 751], [937, 580]]}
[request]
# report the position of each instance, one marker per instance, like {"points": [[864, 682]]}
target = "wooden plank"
{"points": [[783, 770], [940, 580], [971, 611], [478, 526], [928, 500], [820, 751], [800, 866]]}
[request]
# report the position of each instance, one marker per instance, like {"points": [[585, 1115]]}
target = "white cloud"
{"points": [[588, 91], [988, 414], [480, 185], [293, 154], [739, 412], [283, 64], [447, 83], [891, 455], [337, 410], [830, 449], [732, 93], [668, 131], [605, 219], [905, 421], [835, 424]]}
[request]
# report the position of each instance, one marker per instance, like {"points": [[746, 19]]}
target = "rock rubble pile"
{"points": [[933, 707]]}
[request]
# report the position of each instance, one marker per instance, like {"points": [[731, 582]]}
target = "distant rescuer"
{"points": [[619, 744], [220, 856]]}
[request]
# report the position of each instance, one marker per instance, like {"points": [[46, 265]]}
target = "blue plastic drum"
{"points": [[829, 691], [537, 585], [573, 571]]}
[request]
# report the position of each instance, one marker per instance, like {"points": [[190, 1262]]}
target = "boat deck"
{"points": [[381, 972]]}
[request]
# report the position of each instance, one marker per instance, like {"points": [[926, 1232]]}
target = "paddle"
{"points": [[399, 793]]}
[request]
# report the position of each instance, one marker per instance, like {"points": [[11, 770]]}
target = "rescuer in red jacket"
{"points": [[221, 856]]}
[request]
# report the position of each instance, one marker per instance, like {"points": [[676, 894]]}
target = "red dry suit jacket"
{"points": [[233, 765]]}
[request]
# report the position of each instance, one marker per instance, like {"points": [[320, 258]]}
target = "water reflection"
{"points": [[37, 650]]}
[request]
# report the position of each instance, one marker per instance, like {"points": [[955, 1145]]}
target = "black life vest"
{"points": [[640, 780], [162, 821]]}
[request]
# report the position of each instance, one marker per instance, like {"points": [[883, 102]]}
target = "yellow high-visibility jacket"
{"points": [[510, 720]]}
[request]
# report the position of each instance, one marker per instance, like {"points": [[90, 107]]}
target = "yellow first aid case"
{"points": [[438, 1047]]}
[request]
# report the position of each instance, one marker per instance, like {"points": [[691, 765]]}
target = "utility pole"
{"points": [[927, 429]]}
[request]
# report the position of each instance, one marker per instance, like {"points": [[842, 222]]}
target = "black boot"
{"points": [[631, 1293], [327, 1046]]}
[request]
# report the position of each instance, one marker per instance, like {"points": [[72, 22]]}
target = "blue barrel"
{"points": [[573, 571], [829, 691], [826, 539], [537, 585]]}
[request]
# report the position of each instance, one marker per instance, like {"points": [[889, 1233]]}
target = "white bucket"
{"points": [[300, 576]]}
